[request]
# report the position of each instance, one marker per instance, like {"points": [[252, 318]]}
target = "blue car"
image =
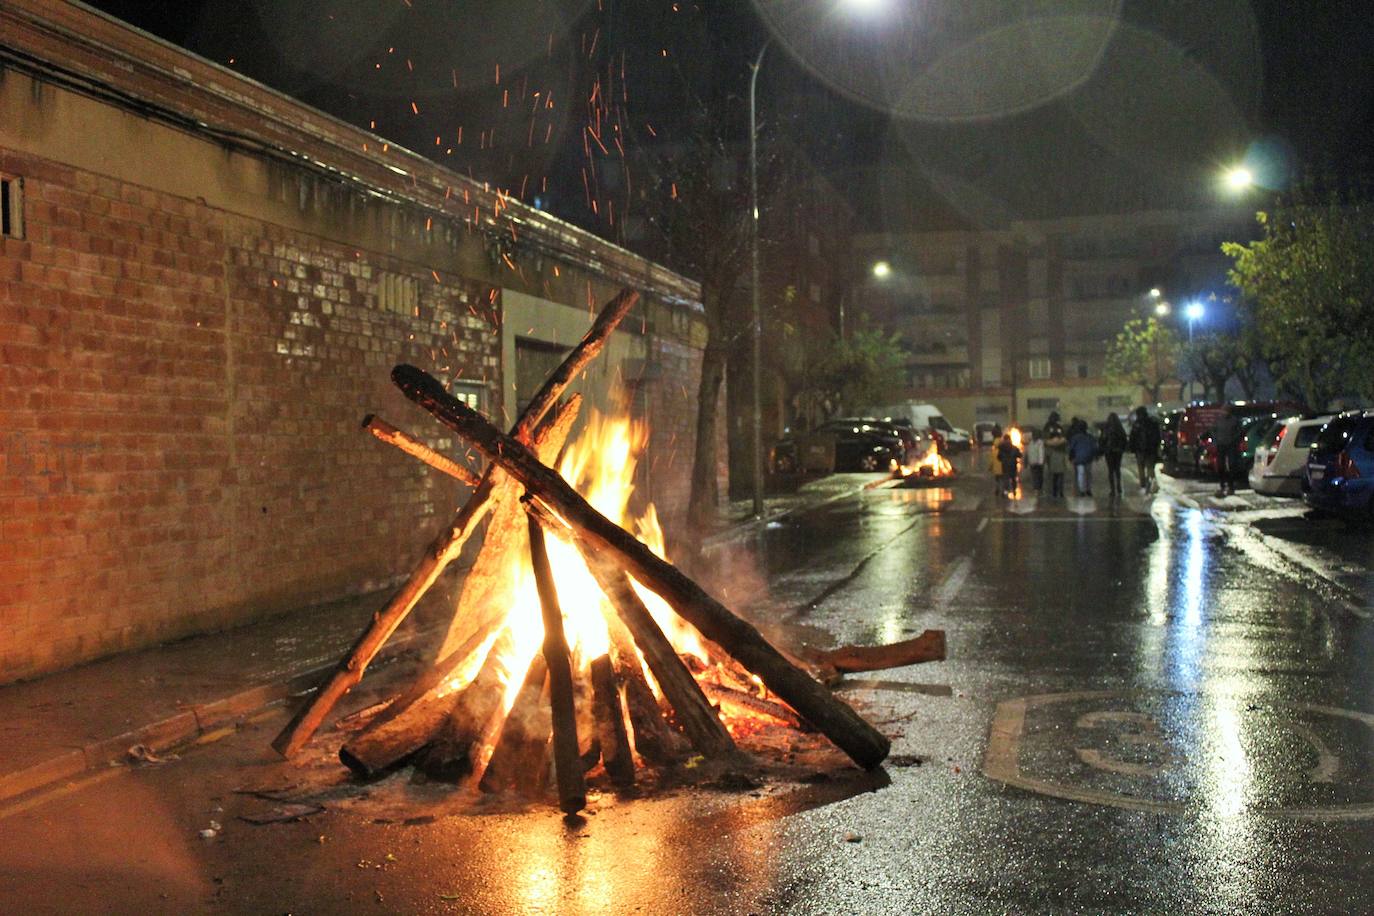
{"points": [[1340, 466]]}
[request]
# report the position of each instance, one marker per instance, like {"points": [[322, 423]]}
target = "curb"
{"points": [[195, 724]]}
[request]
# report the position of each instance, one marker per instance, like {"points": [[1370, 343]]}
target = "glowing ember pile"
{"points": [[931, 466], [581, 654]]}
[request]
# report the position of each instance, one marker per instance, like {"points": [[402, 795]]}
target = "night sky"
{"points": [[924, 114]]}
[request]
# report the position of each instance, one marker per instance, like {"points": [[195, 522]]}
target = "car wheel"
{"points": [[869, 462]]}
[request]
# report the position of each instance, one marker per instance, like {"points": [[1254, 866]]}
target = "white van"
{"points": [[923, 416]]}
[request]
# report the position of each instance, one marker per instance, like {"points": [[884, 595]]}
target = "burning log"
{"points": [[653, 739], [450, 757], [387, 743], [691, 710], [417, 449], [861, 741], [485, 618], [567, 767], [741, 703], [522, 748], [449, 544], [928, 647], [610, 723]]}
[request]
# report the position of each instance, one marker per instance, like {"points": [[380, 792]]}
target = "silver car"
{"points": [[1279, 461]]}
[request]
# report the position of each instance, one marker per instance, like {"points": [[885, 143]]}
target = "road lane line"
{"points": [[981, 525], [945, 595]]}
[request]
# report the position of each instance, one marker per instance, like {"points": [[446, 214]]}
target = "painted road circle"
{"points": [[1176, 752]]}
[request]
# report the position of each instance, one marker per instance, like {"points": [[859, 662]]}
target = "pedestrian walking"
{"points": [[1112, 444], [1144, 444], [1056, 454], [1227, 438], [1035, 460], [1082, 453], [1010, 457]]}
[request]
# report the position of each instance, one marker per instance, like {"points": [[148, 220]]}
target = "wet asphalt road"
{"points": [[1147, 708]]}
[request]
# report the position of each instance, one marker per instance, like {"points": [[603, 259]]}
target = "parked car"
{"points": [[1168, 436], [1340, 466], [1253, 430], [985, 433], [1282, 457], [1197, 420], [839, 445], [923, 417]]}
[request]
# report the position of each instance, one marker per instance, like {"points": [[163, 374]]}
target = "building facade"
{"points": [[1008, 324], [203, 288]]}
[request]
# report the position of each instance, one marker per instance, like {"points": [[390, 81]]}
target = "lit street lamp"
{"points": [[1162, 309], [1238, 179], [882, 270]]}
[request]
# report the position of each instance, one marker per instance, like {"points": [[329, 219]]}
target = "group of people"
{"points": [[1057, 447]]}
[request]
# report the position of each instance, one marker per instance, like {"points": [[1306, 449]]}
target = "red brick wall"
{"points": [[180, 394]]}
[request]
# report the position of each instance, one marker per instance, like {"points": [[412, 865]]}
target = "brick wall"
{"points": [[180, 391]]}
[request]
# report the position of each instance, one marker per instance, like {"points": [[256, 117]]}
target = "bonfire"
{"points": [[575, 642]]}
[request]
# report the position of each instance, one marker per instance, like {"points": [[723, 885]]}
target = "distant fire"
{"points": [[932, 465]]}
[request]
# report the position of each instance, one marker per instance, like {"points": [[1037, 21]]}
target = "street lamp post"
{"points": [[1193, 311], [757, 322]]}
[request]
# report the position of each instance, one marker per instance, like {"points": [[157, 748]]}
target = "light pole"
{"points": [[1193, 311], [757, 322]]}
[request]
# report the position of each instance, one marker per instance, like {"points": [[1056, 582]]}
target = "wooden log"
{"points": [[739, 703], [864, 744], [385, 744], [928, 647], [518, 758], [483, 604], [610, 723], [449, 544], [407, 443], [653, 739], [690, 708], [567, 764], [452, 755]]}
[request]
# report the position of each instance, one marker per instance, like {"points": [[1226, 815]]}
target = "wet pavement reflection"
{"points": [[1140, 712]]}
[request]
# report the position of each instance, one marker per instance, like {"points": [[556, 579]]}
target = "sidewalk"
{"points": [[155, 701]]}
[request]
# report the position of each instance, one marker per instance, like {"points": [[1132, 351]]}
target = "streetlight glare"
{"points": [[1155, 293], [1239, 178], [1162, 309], [1194, 311], [882, 269]]}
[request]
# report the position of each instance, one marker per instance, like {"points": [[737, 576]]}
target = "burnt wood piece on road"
{"points": [[864, 744], [928, 647]]}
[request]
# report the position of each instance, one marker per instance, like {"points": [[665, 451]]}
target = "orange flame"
{"points": [[932, 465]]}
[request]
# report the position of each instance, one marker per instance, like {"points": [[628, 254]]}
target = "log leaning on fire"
{"points": [[928, 647], [864, 744], [691, 710], [567, 761], [449, 544]]}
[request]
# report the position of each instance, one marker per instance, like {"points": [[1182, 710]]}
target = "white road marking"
{"points": [[945, 595], [981, 525]]}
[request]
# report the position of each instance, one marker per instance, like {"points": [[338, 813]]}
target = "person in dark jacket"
{"points": [[1056, 454], [1010, 457], [1227, 438], [1112, 444], [1082, 453], [1144, 443]]}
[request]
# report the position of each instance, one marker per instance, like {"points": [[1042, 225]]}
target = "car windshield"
{"points": [[940, 423]]}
